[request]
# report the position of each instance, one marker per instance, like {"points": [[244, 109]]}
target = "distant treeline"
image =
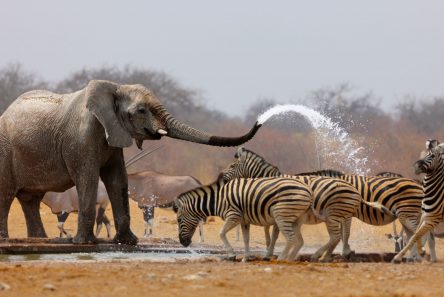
{"points": [[391, 139]]}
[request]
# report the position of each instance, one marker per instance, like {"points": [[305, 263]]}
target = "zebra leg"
{"points": [[334, 230], [299, 241], [246, 237], [270, 248], [238, 233], [431, 244], [287, 229], [409, 227], [345, 228], [230, 223], [267, 236], [201, 231], [424, 227]]}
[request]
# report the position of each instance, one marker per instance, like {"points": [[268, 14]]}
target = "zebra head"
{"points": [[248, 164], [186, 218], [430, 159]]}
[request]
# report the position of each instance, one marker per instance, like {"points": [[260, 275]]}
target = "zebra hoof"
{"points": [[314, 259], [230, 258], [396, 261], [266, 259], [350, 255]]}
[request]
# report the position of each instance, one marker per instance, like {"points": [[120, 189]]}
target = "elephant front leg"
{"points": [[31, 209], [116, 182], [87, 193]]}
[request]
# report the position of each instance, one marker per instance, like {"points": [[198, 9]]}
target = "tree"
{"points": [[14, 81]]}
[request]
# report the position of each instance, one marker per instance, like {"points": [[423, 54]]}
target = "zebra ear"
{"points": [[239, 152], [175, 207], [243, 156], [431, 143]]}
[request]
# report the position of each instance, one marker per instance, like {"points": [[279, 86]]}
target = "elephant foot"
{"points": [[127, 237], [84, 239], [38, 234]]}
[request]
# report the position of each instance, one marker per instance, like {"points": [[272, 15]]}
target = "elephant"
{"points": [[151, 189], [51, 142], [62, 204]]}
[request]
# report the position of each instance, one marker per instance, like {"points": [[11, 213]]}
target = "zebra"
{"points": [[264, 201], [432, 164], [402, 196], [334, 200], [397, 197]]}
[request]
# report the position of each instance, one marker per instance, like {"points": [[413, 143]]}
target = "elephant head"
{"points": [[133, 111]]}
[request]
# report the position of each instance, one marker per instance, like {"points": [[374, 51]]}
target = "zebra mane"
{"points": [[324, 172], [389, 174], [257, 157]]}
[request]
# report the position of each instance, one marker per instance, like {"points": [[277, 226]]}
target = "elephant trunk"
{"points": [[179, 130]]}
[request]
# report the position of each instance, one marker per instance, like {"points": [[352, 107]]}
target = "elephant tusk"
{"points": [[162, 132]]}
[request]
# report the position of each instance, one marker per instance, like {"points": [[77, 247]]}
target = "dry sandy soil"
{"points": [[213, 277]]}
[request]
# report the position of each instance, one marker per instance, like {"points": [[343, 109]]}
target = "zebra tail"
{"points": [[380, 207]]}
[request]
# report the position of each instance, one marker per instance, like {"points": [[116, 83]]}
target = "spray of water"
{"points": [[332, 142]]}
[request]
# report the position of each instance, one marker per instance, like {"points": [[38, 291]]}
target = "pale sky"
{"points": [[237, 51]]}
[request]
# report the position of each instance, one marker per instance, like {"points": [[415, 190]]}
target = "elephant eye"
{"points": [[141, 110]]}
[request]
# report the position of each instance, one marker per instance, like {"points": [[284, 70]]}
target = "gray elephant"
{"points": [[51, 142]]}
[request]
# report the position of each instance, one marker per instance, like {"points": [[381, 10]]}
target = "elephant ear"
{"points": [[101, 100]]}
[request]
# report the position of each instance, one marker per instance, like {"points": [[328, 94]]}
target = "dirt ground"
{"points": [[209, 276]]}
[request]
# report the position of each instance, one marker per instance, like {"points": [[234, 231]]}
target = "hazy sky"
{"points": [[237, 51]]}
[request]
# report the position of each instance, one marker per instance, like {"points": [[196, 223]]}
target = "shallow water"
{"points": [[109, 256], [188, 254]]}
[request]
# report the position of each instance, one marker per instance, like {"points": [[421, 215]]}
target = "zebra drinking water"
{"points": [[265, 201], [334, 200]]}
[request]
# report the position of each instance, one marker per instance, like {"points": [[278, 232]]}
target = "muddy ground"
{"points": [[209, 276]]}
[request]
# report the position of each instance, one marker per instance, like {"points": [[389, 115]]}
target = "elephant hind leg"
{"points": [[30, 204], [5, 206]]}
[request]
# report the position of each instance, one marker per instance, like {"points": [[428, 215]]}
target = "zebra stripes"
{"points": [[334, 200], [400, 196], [432, 164], [268, 201]]}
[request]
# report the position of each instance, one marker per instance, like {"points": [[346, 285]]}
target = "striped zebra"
{"points": [[399, 239], [266, 201], [432, 164], [402, 197], [334, 201]]}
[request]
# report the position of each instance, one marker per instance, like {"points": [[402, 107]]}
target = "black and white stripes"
{"points": [[432, 164], [267, 201]]}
